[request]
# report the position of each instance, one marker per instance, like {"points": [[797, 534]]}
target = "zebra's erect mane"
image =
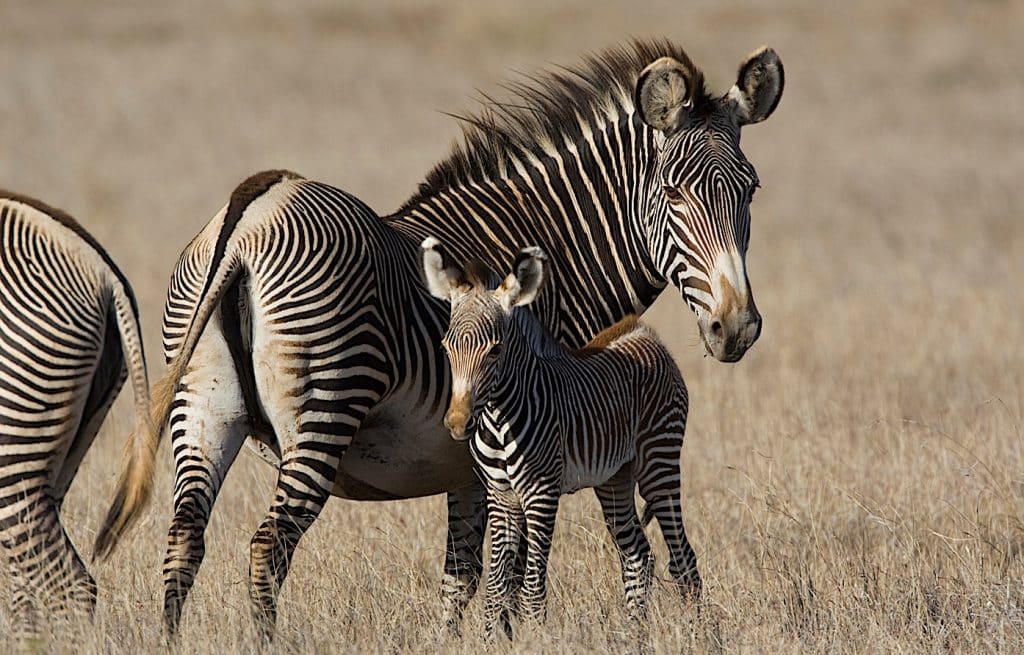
{"points": [[480, 274], [548, 109]]}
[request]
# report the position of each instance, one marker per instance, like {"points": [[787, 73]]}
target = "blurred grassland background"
{"points": [[855, 484]]}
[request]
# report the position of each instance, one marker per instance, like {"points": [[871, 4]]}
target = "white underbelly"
{"points": [[407, 453], [401, 451]]}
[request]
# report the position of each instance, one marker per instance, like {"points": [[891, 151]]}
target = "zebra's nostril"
{"points": [[716, 328]]}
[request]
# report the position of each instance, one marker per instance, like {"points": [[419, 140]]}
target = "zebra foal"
{"points": [[545, 421], [68, 324]]}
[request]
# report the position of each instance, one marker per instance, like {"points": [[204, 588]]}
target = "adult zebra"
{"points": [[68, 323], [624, 169]]}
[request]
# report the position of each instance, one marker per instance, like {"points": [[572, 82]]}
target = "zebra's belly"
{"points": [[589, 474], [402, 451]]}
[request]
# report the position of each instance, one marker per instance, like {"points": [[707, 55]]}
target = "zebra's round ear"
{"points": [[524, 282], [758, 87], [664, 94], [442, 275]]}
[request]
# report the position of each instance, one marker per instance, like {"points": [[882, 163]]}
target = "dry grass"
{"points": [[854, 485]]}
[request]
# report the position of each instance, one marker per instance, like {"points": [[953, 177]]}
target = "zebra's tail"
{"points": [[136, 481], [142, 445]]}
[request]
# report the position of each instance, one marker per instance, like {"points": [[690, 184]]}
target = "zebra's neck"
{"points": [[588, 203], [527, 349], [528, 340]]}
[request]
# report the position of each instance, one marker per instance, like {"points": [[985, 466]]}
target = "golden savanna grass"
{"points": [[853, 485]]}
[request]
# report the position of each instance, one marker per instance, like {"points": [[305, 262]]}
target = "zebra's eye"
{"points": [[672, 193]]}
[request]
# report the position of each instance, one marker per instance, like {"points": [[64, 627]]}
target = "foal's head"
{"points": [[480, 320]]}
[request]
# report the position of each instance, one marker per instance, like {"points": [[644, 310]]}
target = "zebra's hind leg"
{"points": [[49, 579], [660, 490], [208, 425], [313, 437], [304, 482], [316, 381], [619, 508], [463, 563]]}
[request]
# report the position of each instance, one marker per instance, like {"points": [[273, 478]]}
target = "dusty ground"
{"points": [[853, 485]]}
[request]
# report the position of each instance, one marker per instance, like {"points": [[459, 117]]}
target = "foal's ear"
{"points": [[442, 275], [524, 282], [758, 87], [664, 94]]}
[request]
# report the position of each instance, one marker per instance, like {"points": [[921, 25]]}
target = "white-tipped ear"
{"points": [[441, 274], [664, 94], [524, 282], [758, 87]]}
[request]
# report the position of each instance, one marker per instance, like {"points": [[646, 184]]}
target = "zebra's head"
{"points": [[480, 321], [701, 225]]}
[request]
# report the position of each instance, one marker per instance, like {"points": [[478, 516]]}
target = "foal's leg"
{"points": [[659, 486], [503, 516], [540, 511], [635, 558]]}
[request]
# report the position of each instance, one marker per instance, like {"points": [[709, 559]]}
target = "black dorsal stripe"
{"points": [[243, 196]]}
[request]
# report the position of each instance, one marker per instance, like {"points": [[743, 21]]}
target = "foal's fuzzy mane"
{"points": [[548, 109], [609, 335]]}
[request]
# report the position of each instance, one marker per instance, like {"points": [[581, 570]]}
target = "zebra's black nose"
{"points": [[729, 335]]}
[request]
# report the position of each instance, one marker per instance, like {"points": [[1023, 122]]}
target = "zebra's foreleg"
{"points": [[540, 511], [619, 508], [463, 563], [503, 517]]}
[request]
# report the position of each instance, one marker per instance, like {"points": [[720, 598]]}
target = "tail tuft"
{"points": [[131, 495]]}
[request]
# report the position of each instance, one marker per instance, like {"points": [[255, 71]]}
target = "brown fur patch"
{"points": [[730, 300], [607, 336]]}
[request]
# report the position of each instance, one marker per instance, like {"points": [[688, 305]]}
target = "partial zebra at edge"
{"points": [[71, 337]]}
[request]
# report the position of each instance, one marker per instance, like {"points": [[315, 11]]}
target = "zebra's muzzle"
{"points": [[458, 419], [727, 338]]}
